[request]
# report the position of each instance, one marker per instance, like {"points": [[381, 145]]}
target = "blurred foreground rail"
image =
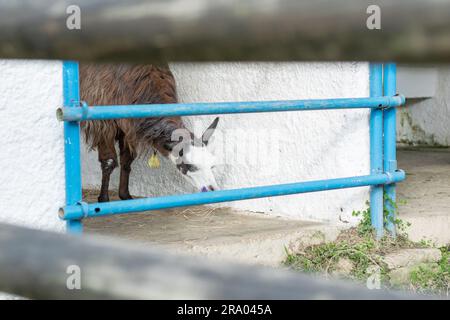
{"points": [[34, 264], [204, 30]]}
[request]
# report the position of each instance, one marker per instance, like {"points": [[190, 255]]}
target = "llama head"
{"points": [[194, 159]]}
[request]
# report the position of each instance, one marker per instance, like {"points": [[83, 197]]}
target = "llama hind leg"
{"points": [[126, 158], [108, 161]]}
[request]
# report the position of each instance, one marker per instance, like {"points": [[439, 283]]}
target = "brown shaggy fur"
{"points": [[124, 85]]}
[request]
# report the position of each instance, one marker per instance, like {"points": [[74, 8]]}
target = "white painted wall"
{"points": [[32, 145], [426, 121], [313, 145], [31, 139]]}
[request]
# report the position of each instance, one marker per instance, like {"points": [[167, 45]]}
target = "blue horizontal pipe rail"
{"points": [[84, 210], [85, 112]]}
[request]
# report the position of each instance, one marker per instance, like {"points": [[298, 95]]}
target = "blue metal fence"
{"points": [[383, 175]]}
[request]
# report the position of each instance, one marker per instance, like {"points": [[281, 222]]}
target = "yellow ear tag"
{"points": [[153, 161]]}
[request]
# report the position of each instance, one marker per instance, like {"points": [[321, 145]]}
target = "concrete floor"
{"points": [[426, 192], [256, 238], [222, 233]]}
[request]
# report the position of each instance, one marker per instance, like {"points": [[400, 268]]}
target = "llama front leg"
{"points": [[126, 159], [108, 162]]}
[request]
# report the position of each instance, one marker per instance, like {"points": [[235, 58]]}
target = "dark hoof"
{"points": [[103, 199], [125, 197]]}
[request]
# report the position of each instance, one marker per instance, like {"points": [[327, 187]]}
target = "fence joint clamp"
{"points": [[84, 208], [84, 109]]}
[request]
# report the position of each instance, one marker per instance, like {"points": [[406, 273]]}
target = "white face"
{"points": [[196, 166], [194, 160]]}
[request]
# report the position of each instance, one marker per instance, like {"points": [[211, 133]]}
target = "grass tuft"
{"points": [[362, 253]]}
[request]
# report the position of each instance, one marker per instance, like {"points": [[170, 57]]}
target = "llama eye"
{"points": [[184, 168], [191, 167]]}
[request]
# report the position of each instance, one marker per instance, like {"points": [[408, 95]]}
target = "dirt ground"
{"points": [[426, 192], [220, 233]]}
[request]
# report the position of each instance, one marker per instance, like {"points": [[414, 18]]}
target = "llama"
{"points": [[104, 84]]}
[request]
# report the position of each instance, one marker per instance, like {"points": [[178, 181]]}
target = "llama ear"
{"points": [[209, 132]]}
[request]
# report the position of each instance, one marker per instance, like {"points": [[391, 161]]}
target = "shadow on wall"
{"points": [[425, 122]]}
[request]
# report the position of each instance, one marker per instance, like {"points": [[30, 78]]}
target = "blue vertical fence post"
{"points": [[376, 148], [390, 152], [72, 143]]}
